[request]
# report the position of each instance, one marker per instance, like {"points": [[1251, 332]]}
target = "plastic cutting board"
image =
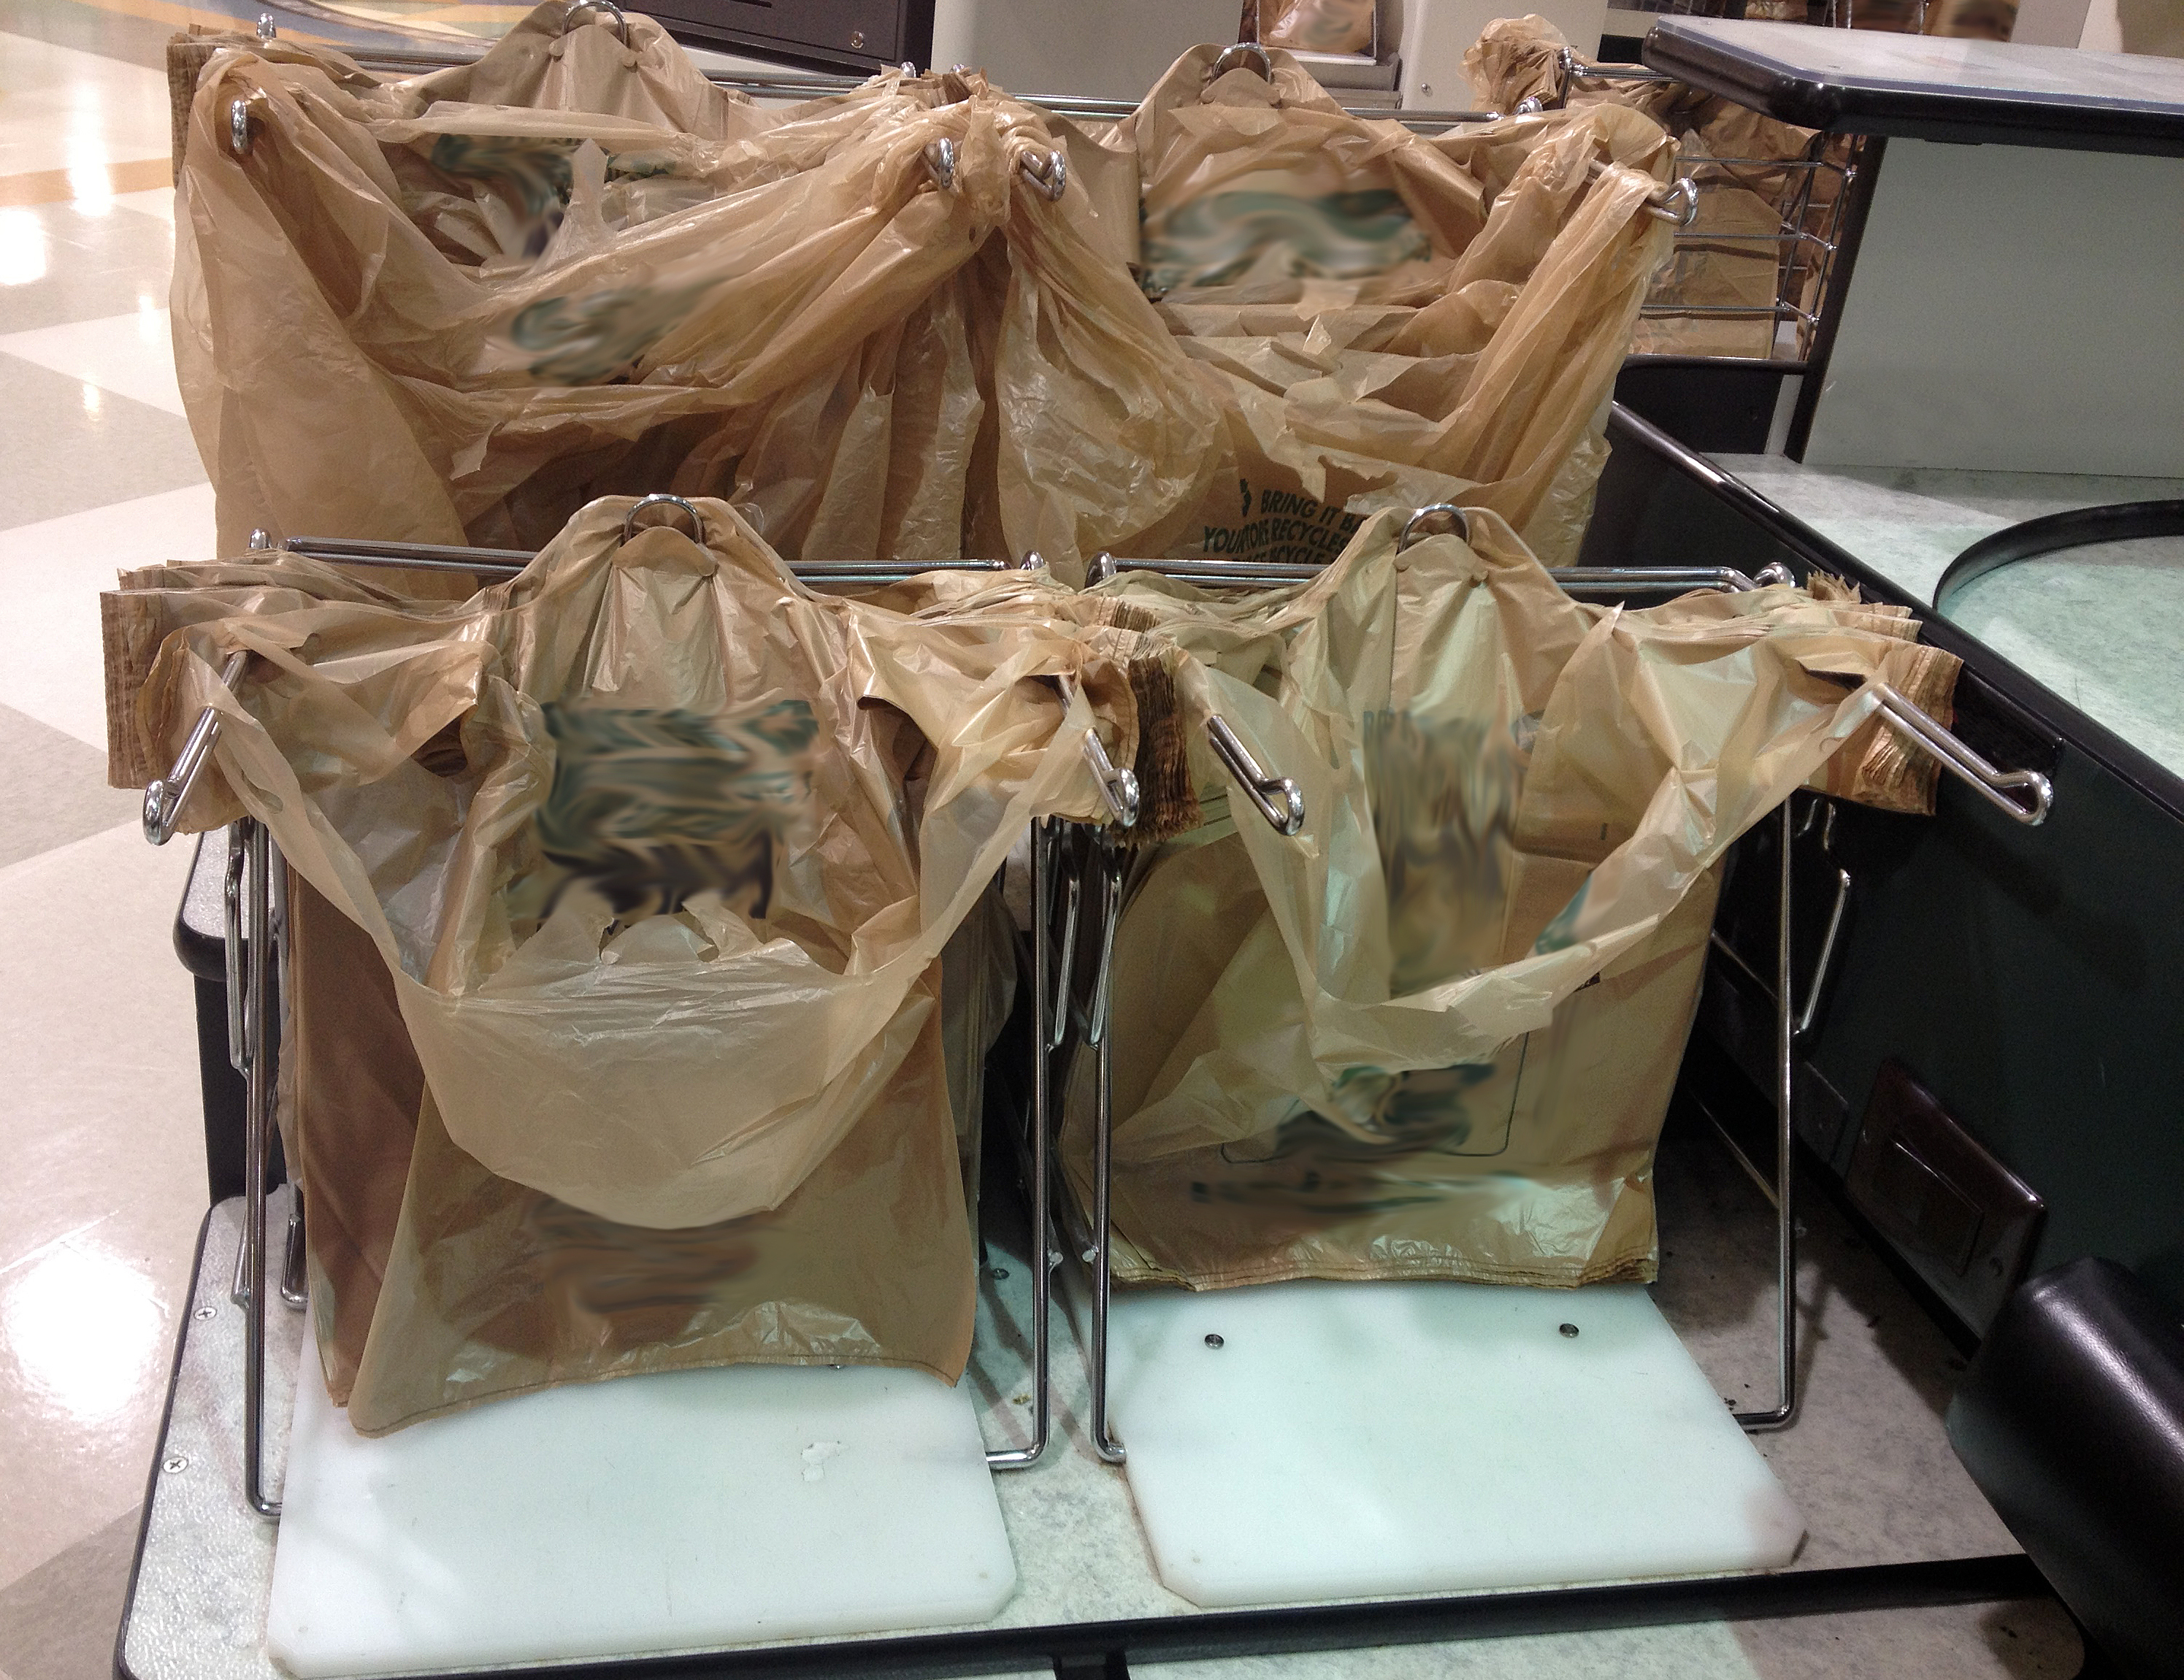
{"points": [[670, 1512], [1347, 1440]]}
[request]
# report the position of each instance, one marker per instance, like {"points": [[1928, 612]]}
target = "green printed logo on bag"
{"points": [[592, 340], [655, 805], [1225, 236]]}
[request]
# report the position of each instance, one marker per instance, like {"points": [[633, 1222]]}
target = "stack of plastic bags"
{"points": [[1737, 260], [645, 951], [901, 323]]}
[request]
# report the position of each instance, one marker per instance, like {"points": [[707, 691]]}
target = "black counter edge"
{"points": [[2053, 716]]}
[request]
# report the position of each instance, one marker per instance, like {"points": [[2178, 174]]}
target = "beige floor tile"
{"points": [[51, 574], [58, 786], [102, 1131], [58, 1621], [67, 445], [131, 355]]}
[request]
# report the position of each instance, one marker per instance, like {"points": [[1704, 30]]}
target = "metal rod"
{"points": [[1780, 1415], [1059, 1029], [1110, 1450], [1038, 1189], [165, 796], [1996, 787], [257, 1106], [1825, 962]]}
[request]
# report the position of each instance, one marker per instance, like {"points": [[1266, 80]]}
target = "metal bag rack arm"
{"points": [[257, 898]]}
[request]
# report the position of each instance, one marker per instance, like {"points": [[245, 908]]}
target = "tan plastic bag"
{"points": [[876, 365], [569, 1046], [1319, 1064], [1733, 257], [1388, 320]]}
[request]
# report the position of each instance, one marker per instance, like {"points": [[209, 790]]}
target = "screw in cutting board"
{"points": [[1213, 1341], [998, 1273], [175, 1465], [1570, 1330], [205, 1312]]}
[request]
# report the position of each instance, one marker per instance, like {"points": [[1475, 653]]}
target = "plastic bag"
{"points": [[1734, 260], [1515, 803], [877, 366], [429, 770], [1389, 320]]}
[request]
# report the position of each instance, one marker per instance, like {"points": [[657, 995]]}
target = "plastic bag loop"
{"points": [[617, 20], [660, 498], [940, 164], [1455, 515], [1048, 172], [1244, 55]]}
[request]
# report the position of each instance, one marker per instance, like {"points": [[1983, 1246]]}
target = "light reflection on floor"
{"points": [[84, 1329]]}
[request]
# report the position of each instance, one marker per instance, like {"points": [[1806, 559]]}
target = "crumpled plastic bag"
{"points": [[1733, 259], [1433, 1034], [1389, 320], [572, 987], [408, 314]]}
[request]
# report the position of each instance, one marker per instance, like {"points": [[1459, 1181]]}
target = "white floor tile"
{"points": [[61, 110], [102, 1133], [52, 665], [156, 201], [131, 355]]}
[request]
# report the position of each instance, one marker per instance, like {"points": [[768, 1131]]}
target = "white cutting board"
{"points": [[1354, 1439], [680, 1511]]}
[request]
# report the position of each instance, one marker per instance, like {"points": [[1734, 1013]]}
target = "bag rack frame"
{"points": [[258, 939]]}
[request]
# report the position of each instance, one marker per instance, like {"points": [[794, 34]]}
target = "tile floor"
{"points": [[104, 1180], [103, 1186]]}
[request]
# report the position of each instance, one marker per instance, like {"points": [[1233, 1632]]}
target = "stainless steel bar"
{"points": [[1824, 965], [357, 551], [258, 1109], [1110, 855], [1040, 1189], [1781, 1415], [165, 796], [1060, 1028], [1257, 785], [238, 1042]]}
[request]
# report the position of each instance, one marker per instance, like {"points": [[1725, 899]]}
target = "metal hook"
{"points": [[696, 530], [238, 127], [618, 19], [1994, 786], [1244, 55], [1032, 561], [1232, 753], [261, 539], [1119, 787], [1101, 568], [1449, 510], [940, 164], [165, 796], [266, 31], [1049, 174], [1530, 106], [1773, 572], [1676, 204]]}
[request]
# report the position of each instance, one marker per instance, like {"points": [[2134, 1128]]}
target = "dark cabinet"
{"points": [[844, 35]]}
